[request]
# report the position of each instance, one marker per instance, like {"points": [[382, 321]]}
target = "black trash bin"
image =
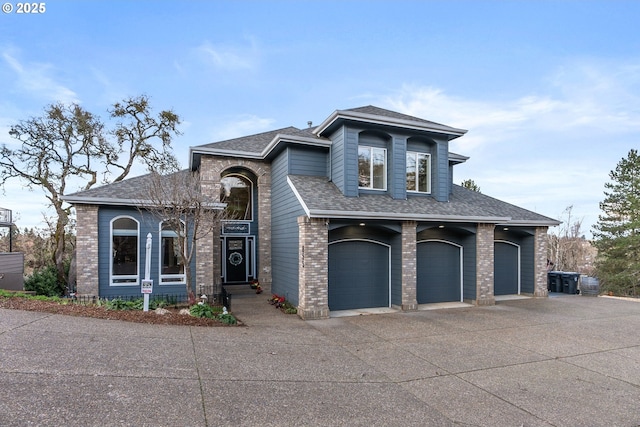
{"points": [[554, 281], [570, 283]]}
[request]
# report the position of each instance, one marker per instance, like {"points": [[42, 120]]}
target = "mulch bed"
{"points": [[82, 310]]}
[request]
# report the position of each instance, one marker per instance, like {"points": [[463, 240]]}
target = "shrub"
{"points": [[44, 282], [227, 319], [202, 310], [120, 304]]}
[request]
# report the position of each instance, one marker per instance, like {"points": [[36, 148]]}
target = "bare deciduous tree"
{"points": [[69, 145], [177, 201], [568, 250]]}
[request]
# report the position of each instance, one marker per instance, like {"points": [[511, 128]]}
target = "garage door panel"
{"points": [[358, 275], [438, 272], [506, 263]]}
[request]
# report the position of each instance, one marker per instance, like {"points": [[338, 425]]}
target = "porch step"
{"points": [[243, 291]]}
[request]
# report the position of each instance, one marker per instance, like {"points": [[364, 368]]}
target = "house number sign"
{"points": [[235, 259]]}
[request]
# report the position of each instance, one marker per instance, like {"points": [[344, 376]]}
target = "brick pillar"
{"points": [[264, 227], [540, 263], [88, 283], [313, 272], [409, 266], [485, 264], [208, 248]]}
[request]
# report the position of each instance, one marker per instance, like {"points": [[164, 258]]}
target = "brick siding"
{"points": [[484, 265], [313, 263], [540, 262], [87, 250], [409, 266]]}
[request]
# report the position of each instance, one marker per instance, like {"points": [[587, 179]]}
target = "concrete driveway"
{"points": [[558, 361]]}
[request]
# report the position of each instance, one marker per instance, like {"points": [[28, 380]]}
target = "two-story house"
{"points": [[357, 212]]}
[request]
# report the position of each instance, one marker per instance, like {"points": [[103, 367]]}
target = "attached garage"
{"points": [[439, 272], [359, 274], [506, 268]]}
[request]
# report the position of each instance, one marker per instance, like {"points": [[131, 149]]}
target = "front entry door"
{"points": [[236, 259]]}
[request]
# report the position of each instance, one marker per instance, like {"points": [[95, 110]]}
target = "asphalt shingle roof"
{"points": [[322, 198], [258, 142], [131, 189], [377, 111]]}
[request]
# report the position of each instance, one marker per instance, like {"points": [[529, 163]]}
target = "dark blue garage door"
{"points": [[505, 273], [438, 273], [358, 275]]}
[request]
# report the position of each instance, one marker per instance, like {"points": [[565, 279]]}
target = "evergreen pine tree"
{"points": [[617, 233]]}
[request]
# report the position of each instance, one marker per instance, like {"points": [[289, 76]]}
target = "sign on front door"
{"points": [[236, 259]]}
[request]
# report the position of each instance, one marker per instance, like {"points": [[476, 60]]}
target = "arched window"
{"points": [[124, 252], [171, 266], [236, 192]]}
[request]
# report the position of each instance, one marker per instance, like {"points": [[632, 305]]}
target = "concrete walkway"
{"points": [[558, 361]]}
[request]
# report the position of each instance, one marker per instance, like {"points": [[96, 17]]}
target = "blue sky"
{"points": [[549, 90]]}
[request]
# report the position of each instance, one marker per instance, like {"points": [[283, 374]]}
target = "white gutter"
{"points": [[295, 192]]}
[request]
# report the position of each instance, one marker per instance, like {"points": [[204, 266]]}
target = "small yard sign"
{"points": [[147, 286]]}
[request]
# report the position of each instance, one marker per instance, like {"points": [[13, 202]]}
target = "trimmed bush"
{"points": [[44, 282]]}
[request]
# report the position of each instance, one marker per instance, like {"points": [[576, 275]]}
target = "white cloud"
{"points": [[241, 126], [542, 151], [39, 80]]}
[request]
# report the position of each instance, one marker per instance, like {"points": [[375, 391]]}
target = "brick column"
{"points": [[264, 228], [409, 266], [540, 263], [313, 272], [206, 248], [485, 264], [88, 283], [208, 270]]}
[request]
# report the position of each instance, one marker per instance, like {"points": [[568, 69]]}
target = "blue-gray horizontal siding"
{"points": [[440, 186], [396, 269], [285, 210], [398, 163], [307, 161], [337, 161], [527, 265], [147, 223], [351, 162]]}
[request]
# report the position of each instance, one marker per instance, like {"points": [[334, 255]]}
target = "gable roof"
{"points": [[263, 145], [375, 115], [259, 146], [321, 198]]}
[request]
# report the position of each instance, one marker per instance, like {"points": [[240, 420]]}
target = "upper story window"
{"points": [[171, 267], [372, 168], [236, 192], [124, 251], [418, 172]]}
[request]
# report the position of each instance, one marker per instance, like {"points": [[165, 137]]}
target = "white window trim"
{"points": [[428, 156], [179, 279], [384, 150], [113, 277]]}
